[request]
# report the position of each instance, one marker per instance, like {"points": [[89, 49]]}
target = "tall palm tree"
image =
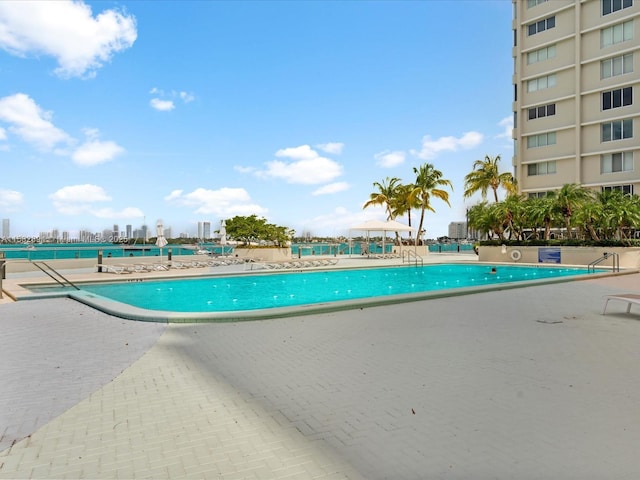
{"points": [[384, 196], [427, 184], [403, 202], [486, 175], [570, 197]]}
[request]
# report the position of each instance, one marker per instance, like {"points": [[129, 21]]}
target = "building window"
{"points": [[543, 111], [535, 3], [541, 55], [616, 34], [620, 97], [616, 162], [541, 25], [542, 168], [612, 67], [626, 189], [541, 140], [617, 130], [610, 6], [541, 83]]}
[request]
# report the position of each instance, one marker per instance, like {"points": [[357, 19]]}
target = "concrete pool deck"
{"points": [[531, 383]]}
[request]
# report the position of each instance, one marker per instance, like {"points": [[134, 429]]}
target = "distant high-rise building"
{"points": [[5, 228], [199, 230], [458, 230], [576, 117], [206, 230], [115, 235], [129, 233]]}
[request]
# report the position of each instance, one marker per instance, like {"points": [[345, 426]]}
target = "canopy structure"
{"points": [[381, 226]]}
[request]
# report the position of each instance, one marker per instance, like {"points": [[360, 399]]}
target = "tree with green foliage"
{"points": [[486, 175], [252, 229], [384, 196], [428, 184], [570, 197]]}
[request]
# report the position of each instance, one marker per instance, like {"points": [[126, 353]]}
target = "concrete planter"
{"points": [[264, 254], [629, 256]]}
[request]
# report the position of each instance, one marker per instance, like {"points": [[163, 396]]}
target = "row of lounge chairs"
{"points": [[124, 268], [121, 268], [295, 264]]}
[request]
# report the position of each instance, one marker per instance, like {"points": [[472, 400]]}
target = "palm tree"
{"points": [[570, 197], [514, 214], [403, 202], [486, 219], [427, 184], [486, 175], [620, 213], [542, 212], [384, 196]]}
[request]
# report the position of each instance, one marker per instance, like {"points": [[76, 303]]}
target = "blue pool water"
{"points": [[265, 291]]}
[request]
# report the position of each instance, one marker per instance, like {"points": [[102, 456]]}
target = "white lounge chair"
{"points": [[118, 269], [630, 298]]}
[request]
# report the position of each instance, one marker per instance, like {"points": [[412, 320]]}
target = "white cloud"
{"points": [[162, 105], [331, 188], [3, 134], [388, 159], [241, 169], [507, 124], [95, 152], [67, 31], [223, 202], [303, 152], [10, 200], [332, 147], [29, 122], [307, 167], [86, 193], [186, 97], [80, 199], [431, 148]]}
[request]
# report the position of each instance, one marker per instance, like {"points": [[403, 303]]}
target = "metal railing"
{"points": [[615, 262], [54, 274], [411, 257]]}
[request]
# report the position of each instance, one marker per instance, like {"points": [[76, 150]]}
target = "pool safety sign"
{"points": [[549, 255]]}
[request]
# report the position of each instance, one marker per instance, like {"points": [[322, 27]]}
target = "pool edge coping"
{"points": [[130, 312]]}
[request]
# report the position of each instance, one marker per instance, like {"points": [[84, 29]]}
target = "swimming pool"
{"points": [[274, 294]]}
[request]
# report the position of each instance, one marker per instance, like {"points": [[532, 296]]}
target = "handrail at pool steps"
{"points": [[615, 262], [54, 274], [408, 254]]}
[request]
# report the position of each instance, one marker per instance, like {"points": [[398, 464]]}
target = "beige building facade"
{"points": [[576, 94]]}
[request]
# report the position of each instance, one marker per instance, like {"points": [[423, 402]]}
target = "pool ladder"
{"points": [[615, 262], [54, 274], [411, 257]]}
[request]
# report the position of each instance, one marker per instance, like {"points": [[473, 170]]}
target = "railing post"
{"points": [[3, 266]]}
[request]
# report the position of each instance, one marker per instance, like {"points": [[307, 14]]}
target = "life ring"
{"points": [[515, 255]]}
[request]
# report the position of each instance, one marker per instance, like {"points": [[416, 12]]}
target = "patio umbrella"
{"points": [[160, 240]]}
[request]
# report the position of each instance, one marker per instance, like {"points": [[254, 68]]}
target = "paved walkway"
{"points": [[531, 383]]}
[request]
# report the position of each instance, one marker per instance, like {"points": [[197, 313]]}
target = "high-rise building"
{"points": [[206, 230], [5, 228], [458, 230], [576, 104], [129, 233]]}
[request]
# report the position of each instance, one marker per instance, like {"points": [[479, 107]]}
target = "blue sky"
{"points": [[129, 111]]}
